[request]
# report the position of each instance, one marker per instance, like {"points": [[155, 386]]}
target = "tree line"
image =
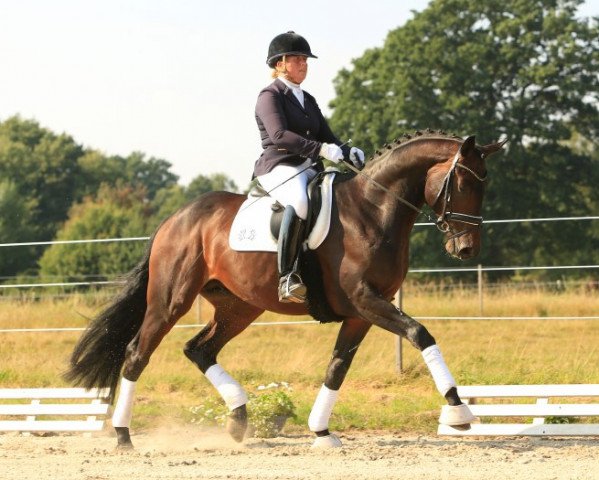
{"points": [[52, 188], [525, 71]]}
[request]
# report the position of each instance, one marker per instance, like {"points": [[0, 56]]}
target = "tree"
{"points": [[152, 173], [168, 200], [15, 226], [96, 169], [115, 213], [203, 184], [42, 166], [49, 173], [522, 70]]}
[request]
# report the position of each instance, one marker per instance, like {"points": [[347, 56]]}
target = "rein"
{"points": [[442, 221], [391, 192]]}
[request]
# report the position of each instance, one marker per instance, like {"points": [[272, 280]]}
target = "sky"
{"points": [[175, 79]]}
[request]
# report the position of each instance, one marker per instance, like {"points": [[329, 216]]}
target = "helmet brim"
{"points": [[272, 61]]}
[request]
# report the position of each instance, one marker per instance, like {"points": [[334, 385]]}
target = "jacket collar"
{"points": [[289, 94]]}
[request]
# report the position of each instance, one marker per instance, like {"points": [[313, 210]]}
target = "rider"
{"points": [[294, 134]]}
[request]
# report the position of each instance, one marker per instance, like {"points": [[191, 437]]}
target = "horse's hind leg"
{"points": [[231, 316], [139, 351], [163, 311], [351, 334]]}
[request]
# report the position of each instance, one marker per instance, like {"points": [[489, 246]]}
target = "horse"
{"points": [[351, 278]]}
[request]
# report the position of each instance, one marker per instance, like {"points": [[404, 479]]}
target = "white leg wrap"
{"points": [[322, 409], [232, 393], [123, 410], [434, 360]]}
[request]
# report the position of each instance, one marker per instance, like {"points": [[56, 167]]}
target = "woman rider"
{"points": [[294, 134]]}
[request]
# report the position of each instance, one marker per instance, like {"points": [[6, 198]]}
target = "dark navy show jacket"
{"points": [[290, 134]]}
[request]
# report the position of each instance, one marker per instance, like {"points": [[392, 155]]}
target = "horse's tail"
{"points": [[99, 354]]}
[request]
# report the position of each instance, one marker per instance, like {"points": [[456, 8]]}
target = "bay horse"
{"points": [[351, 278]]}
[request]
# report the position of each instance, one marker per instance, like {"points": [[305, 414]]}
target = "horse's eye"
{"points": [[465, 188]]}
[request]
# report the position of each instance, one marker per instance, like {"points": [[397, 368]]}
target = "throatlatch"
{"points": [[291, 286]]}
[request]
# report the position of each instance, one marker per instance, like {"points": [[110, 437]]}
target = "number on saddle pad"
{"points": [[251, 230]]}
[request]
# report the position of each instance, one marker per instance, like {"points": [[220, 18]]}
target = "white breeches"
{"points": [[289, 188]]}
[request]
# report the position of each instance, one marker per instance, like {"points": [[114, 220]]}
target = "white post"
{"points": [[398, 344], [480, 289]]}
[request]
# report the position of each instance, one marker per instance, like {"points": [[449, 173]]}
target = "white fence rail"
{"points": [[301, 322], [62, 415], [427, 224], [507, 405], [479, 268]]}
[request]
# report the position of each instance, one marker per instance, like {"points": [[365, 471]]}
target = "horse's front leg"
{"points": [[374, 308], [350, 336]]}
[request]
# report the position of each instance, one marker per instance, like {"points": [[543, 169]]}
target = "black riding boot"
{"points": [[291, 287]]}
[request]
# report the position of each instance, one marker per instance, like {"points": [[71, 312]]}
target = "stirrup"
{"points": [[292, 289]]}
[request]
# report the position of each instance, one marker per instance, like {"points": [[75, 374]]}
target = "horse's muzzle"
{"points": [[466, 253], [464, 247]]}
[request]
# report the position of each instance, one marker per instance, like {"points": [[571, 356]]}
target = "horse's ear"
{"points": [[467, 147], [490, 149]]}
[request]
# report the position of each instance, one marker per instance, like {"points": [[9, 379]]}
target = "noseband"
{"points": [[447, 215]]}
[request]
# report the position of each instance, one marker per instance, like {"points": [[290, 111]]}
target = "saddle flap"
{"points": [[321, 203], [251, 228]]}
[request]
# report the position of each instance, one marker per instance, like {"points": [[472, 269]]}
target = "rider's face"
{"points": [[296, 67]]}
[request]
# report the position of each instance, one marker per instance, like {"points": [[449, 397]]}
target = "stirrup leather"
{"points": [[292, 289]]}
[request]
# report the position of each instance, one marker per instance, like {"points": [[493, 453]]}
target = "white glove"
{"points": [[356, 156], [331, 152]]}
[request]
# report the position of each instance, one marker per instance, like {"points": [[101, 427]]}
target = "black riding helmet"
{"points": [[289, 43]]}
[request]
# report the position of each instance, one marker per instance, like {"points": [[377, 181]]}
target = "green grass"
{"points": [[374, 395]]}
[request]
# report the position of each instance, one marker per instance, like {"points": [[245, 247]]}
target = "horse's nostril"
{"points": [[465, 252]]}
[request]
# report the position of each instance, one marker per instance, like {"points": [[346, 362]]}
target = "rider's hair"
{"points": [[277, 73]]}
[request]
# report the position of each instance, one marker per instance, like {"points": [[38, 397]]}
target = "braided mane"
{"points": [[407, 138]]}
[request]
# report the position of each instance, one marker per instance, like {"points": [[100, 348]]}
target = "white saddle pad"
{"points": [[250, 231]]}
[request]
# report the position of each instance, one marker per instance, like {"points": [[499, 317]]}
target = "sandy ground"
{"points": [[187, 454]]}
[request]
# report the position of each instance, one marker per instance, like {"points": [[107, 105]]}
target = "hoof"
{"points": [[237, 423], [124, 446], [328, 441], [123, 438], [458, 416], [462, 428]]}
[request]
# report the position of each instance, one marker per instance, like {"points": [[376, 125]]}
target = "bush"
{"points": [[267, 412]]}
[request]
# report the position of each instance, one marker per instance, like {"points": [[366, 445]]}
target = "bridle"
{"points": [[447, 215]]}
